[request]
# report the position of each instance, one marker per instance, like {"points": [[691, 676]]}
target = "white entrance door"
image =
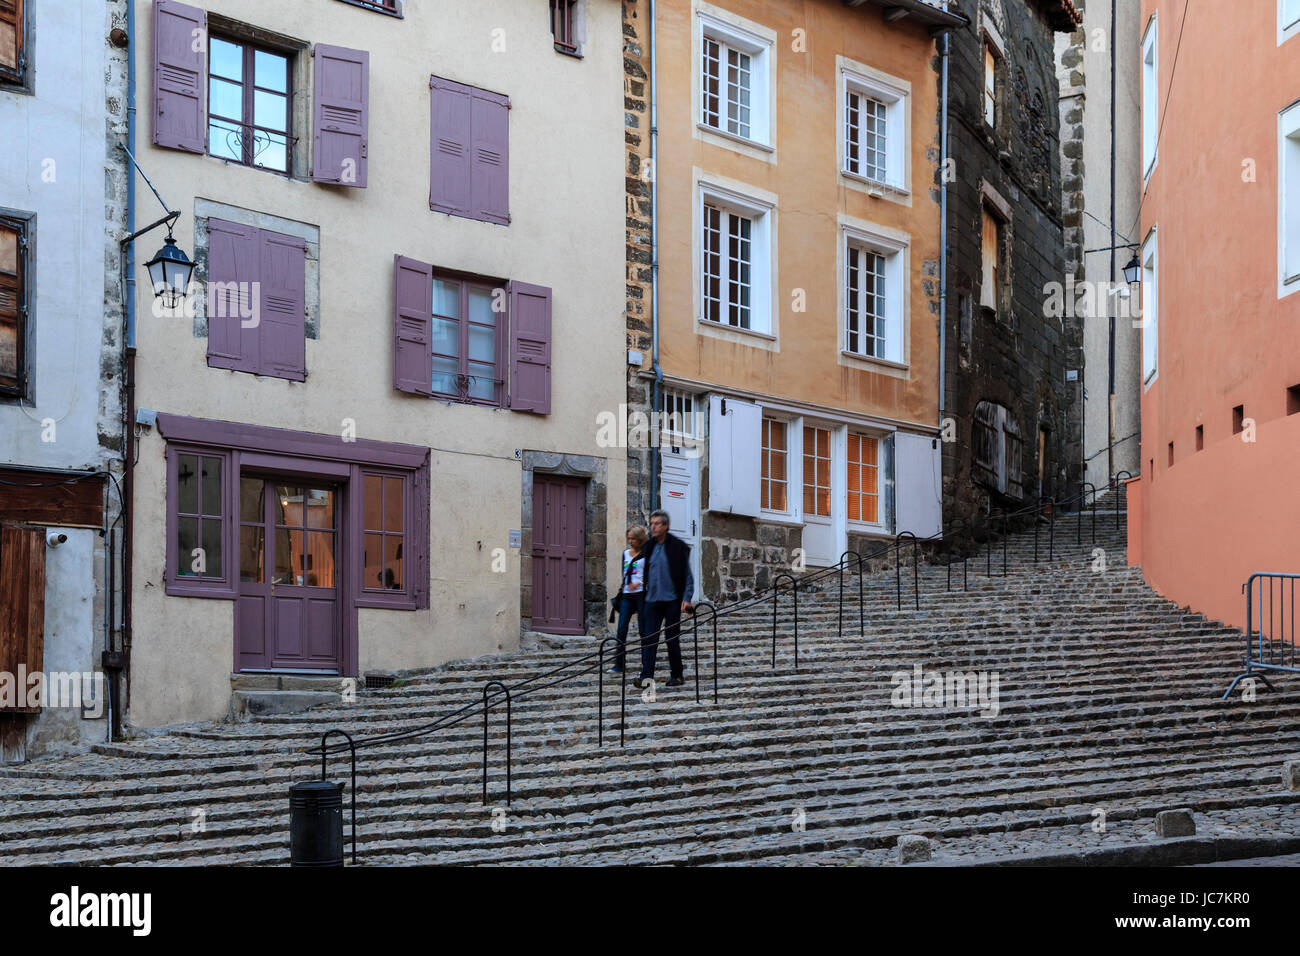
{"points": [[679, 495], [820, 541]]}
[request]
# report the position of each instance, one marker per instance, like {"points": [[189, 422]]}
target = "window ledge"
{"points": [[576, 54], [365, 6], [876, 183], [781, 518], [724, 327], [743, 140], [872, 360]]}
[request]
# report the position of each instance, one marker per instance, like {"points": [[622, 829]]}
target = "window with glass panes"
{"points": [[864, 479], [468, 336], [726, 87], [562, 25], [199, 509], [864, 136], [728, 266], [384, 529], [774, 489], [864, 325], [816, 471], [249, 94]]}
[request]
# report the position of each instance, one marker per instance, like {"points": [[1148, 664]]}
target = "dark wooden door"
{"points": [[288, 612], [559, 524]]}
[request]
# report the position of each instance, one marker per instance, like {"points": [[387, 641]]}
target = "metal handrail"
{"points": [[509, 727], [898, 575], [862, 627], [776, 590], [353, 747], [1277, 624]]}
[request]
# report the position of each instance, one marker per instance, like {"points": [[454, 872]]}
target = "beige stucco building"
{"points": [[375, 483]]}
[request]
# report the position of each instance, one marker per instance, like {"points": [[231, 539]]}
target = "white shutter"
{"points": [[735, 449], [918, 484]]}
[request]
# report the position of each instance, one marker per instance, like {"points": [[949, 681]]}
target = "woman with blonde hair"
{"points": [[631, 594]]}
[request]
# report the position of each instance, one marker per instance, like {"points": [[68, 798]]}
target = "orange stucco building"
{"points": [[1220, 249], [798, 230]]}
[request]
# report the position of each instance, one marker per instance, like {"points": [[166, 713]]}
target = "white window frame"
{"points": [[1288, 201], [1150, 97], [992, 41], [870, 527], [759, 44], [894, 248], [1150, 260], [1288, 20], [760, 211], [896, 95]]}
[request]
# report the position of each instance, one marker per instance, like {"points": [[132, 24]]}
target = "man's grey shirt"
{"points": [[659, 582]]}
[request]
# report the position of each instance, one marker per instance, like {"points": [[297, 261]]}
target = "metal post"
{"points": [[353, 747], [509, 722]]}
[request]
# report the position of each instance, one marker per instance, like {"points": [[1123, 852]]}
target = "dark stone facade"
{"points": [[1015, 355]]}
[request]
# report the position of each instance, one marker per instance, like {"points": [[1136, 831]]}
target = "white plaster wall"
{"points": [[1128, 185], [55, 166], [567, 232]]}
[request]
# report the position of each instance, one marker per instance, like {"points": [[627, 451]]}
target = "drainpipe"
{"points": [[1112, 302], [115, 662], [943, 221], [656, 390]]}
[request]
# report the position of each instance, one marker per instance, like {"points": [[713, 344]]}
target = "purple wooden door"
{"points": [[287, 610], [559, 523]]}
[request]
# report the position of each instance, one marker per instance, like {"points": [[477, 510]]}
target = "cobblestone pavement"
{"points": [[1098, 697]]}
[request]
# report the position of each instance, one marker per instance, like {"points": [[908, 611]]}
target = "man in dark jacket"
{"points": [[669, 587]]}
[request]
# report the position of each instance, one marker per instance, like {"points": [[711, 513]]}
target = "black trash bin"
{"points": [[316, 823]]}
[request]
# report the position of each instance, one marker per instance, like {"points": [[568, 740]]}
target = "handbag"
{"points": [[614, 601]]}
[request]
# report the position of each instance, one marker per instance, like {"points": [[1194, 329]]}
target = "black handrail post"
{"points": [[916, 580], [622, 703], [776, 590], [898, 575], [1035, 539], [695, 618], [509, 723], [988, 547], [839, 620], [713, 616], [353, 747], [1051, 528], [862, 614], [600, 696], [1119, 477]]}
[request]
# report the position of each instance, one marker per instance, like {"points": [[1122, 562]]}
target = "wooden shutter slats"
{"points": [[282, 338], [22, 606], [340, 107], [179, 74], [412, 325], [469, 152], [13, 57], [530, 348], [233, 267]]}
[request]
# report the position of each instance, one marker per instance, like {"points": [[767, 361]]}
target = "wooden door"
{"points": [[288, 610], [558, 553]]}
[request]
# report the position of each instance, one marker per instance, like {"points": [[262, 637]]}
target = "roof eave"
{"points": [[917, 9]]}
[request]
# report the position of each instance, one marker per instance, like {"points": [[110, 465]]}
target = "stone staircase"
{"points": [[1107, 704]]}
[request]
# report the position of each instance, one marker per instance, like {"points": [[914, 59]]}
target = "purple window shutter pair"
{"points": [[180, 43], [529, 321], [256, 301], [412, 325], [341, 107], [469, 152]]}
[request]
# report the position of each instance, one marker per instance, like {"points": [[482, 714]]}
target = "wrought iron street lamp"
{"points": [[170, 270]]}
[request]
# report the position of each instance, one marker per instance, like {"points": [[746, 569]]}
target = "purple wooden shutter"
{"points": [[179, 73], [412, 325], [232, 269], [282, 306], [490, 169], [420, 500], [341, 104], [449, 149], [530, 348]]}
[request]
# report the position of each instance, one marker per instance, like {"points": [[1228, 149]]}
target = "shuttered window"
{"points": [[256, 301], [13, 305], [13, 42], [469, 152], [471, 340], [990, 260], [22, 610], [340, 120], [179, 71]]}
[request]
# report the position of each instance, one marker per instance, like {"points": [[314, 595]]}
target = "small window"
{"points": [[816, 471], [679, 425], [1150, 97], [735, 261], [384, 527], [200, 517], [1171, 454], [990, 260], [14, 285], [990, 86], [250, 92], [1150, 310], [468, 335], [997, 450], [1289, 200], [864, 479], [1238, 419], [734, 87], [567, 26], [1293, 400], [1288, 19], [1200, 437], [775, 495], [13, 42], [874, 290]]}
